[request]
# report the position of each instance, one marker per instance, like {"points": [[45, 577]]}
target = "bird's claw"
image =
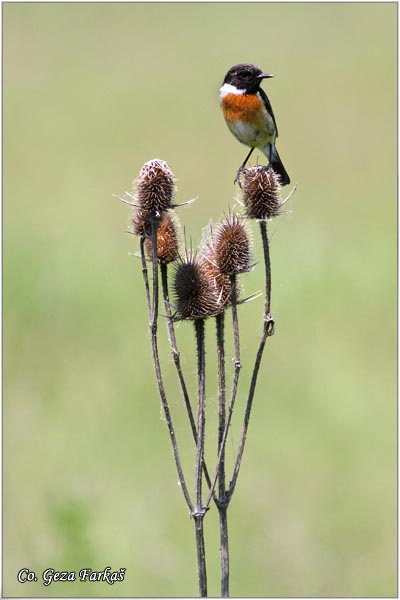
{"points": [[237, 178]]}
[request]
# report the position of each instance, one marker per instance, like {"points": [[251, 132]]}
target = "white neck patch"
{"points": [[227, 88]]}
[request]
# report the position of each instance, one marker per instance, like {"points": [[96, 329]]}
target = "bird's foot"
{"points": [[237, 178]]}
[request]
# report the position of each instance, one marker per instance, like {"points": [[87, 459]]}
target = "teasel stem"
{"points": [[145, 274], [199, 512], [233, 282], [224, 541], [156, 359], [225, 497], [174, 349], [201, 554], [199, 328], [237, 363], [268, 330], [222, 505], [220, 326], [267, 262], [154, 260], [236, 338], [177, 360]]}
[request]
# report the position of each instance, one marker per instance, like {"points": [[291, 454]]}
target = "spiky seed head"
{"points": [[220, 283], [261, 193], [141, 223], [194, 295], [231, 246], [167, 239], [155, 186]]}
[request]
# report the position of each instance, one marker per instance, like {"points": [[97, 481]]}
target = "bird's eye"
{"points": [[242, 75]]}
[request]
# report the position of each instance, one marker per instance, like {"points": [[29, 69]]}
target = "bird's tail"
{"points": [[278, 167]]}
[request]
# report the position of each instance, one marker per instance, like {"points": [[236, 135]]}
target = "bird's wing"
{"points": [[269, 108]]}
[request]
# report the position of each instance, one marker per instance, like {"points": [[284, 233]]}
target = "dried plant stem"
{"points": [[268, 329], [237, 363], [154, 261], [200, 511], [199, 327], [201, 555], [222, 505], [145, 275], [224, 540], [236, 339], [220, 326], [177, 361], [267, 264], [153, 330]]}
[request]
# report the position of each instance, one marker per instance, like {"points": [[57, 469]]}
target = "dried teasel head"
{"points": [[155, 186], [231, 248], [167, 239], [220, 283], [195, 296], [261, 193], [141, 223]]}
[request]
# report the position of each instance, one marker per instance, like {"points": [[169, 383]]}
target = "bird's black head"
{"points": [[246, 77]]}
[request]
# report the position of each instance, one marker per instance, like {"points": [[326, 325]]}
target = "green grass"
{"points": [[92, 91]]}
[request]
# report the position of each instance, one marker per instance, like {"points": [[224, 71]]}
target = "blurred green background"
{"points": [[91, 92]]}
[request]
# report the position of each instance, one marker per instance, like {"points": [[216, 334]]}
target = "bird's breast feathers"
{"points": [[247, 117]]}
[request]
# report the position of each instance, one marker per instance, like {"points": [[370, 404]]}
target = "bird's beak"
{"points": [[264, 76]]}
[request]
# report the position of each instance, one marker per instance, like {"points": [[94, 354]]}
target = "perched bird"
{"points": [[249, 116]]}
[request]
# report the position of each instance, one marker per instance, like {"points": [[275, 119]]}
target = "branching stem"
{"points": [[237, 364], [177, 360], [268, 330], [153, 306]]}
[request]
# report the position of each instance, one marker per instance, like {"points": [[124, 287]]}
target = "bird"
{"points": [[249, 115]]}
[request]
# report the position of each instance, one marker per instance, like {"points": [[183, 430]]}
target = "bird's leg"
{"points": [[270, 157], [246, 159], [241, 168], [270, 167]]}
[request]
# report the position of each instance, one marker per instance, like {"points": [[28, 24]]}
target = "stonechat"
{"points": [[249, 115]]}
